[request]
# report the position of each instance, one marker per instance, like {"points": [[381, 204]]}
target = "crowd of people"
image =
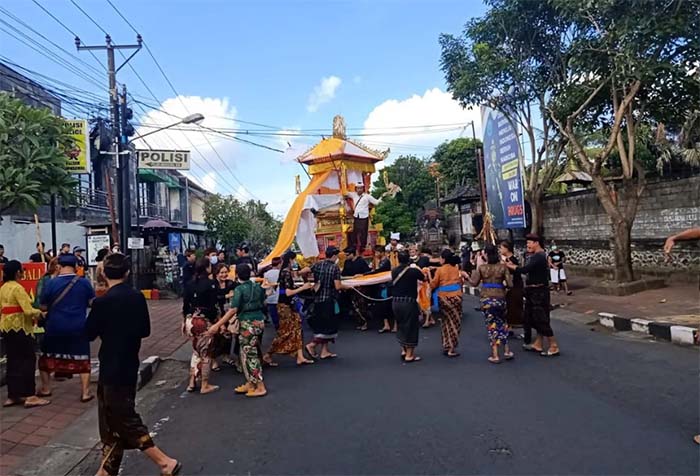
{"points": [[225, 309]]}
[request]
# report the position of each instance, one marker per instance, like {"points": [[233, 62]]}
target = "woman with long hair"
{"points": [[247, 305], [447, 287], [17, 319], [288, 340], [199, 309], [224, 292], [494, 277]]}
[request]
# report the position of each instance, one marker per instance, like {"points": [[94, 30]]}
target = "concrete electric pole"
{"points": [[123, 173]]}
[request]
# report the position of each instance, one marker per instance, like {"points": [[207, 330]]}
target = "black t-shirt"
{"points": [[120, 319], [250, 261], [407, 286], [222, 292], [187, 272], [201, 294], [353, 267], [557, 258], [536, 269], [517, 278]]}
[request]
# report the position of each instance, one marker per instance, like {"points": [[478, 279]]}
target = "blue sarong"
{"points": [[435, 307]]}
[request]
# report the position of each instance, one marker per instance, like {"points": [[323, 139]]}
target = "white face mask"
{"points": [[213, 259]]}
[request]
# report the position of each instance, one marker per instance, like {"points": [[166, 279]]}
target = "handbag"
{"points": [[41, 322]]}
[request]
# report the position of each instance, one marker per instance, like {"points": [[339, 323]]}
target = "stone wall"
{"points": [[580, 226]]}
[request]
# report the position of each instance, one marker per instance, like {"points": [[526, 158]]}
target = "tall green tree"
{"points": [[502, 60], [399, 213], [231, 222], [33, 145], [456, 161], [624, 65]]}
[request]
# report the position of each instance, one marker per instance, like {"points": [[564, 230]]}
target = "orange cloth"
{"points": [[447, 274]]}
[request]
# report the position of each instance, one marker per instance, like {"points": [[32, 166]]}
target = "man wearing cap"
{"points": [[360, 224], [393, 248], [81, 264], [66, 349], [537, 299]]}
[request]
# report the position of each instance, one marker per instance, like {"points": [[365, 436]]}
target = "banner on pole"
{"points": [[94, 244], [504, 180], [78, 160]]}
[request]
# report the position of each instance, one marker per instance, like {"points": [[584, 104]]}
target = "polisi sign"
{"points": [[164, 159]]}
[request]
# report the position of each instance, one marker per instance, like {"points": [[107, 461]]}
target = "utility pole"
{"points": [[123, 178]]}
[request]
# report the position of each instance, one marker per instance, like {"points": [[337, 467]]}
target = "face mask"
{"points": [[213, 259], [554, 248]]}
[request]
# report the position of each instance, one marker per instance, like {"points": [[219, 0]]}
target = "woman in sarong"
{"points": [[405, 279], [447, 284], [199, 308], [288, 340], [494, 277]]}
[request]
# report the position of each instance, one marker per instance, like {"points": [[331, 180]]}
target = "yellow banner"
{"points": [[78, 160]]}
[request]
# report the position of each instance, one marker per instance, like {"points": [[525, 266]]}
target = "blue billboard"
{"points": [[504, 181], [175, 242]]}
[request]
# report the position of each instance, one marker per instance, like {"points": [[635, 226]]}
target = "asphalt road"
{"points": [[607, 405]]}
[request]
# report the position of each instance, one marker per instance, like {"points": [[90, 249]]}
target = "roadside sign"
{"points": [[164, 159], [94, 244], [135, 243], [78, 160]]}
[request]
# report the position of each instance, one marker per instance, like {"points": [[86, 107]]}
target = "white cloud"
{"points": [[391, 123], [323, 92], [206, 168]]}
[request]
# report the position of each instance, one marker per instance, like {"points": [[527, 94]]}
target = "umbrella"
{"points": [[157, 224]]}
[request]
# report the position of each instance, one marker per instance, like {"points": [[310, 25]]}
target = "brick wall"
{"points": [[579, 224]]}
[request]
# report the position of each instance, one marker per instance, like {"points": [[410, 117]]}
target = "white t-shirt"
{"points": [[272, 276], [362, 204]]}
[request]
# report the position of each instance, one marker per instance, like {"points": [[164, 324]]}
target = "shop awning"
{"points": [[172, 182], [148, 175]]}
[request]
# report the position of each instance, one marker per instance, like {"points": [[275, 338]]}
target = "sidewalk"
{"points": [[22, 430], [678, 303]]}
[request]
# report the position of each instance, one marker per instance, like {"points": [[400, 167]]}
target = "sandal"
{"points": [[241, 389], [87, 399], [305, 362], [329, 356], [549, 353], [383, 330], [494, 360], [11, 403], [414, 359], [453, 355], [313, 356], [212, 389], [509, 355], [256, 395], [38, 403], [217, 369], [191, 389]]}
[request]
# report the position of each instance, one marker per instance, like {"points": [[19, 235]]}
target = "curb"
{"points": [[70, 447], [146, 371], [681, 335]]}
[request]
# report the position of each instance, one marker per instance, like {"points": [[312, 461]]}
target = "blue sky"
{"points": [[374, 62]]}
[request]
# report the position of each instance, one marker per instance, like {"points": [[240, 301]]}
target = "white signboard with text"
{"points": [[164, 159], [94, 244]]}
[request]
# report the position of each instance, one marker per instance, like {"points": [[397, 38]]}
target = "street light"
{"points": [[195, 118]]}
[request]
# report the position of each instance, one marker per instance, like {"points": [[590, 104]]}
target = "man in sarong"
{"points": [[120, 319]]}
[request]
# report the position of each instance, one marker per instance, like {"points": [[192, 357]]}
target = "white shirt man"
{"points": [[362, 203]]}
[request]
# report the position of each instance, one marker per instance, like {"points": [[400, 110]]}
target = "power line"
{"points": [[67, 29], [89, 17], [172, 87]]}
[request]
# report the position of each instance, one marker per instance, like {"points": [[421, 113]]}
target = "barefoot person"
{"points": [[247, 305], [199, 308], [120, 319], [324, 321], [494, 278], [405, 279], [537, 299], [447, 286], [17, 317], [288, 340]]}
